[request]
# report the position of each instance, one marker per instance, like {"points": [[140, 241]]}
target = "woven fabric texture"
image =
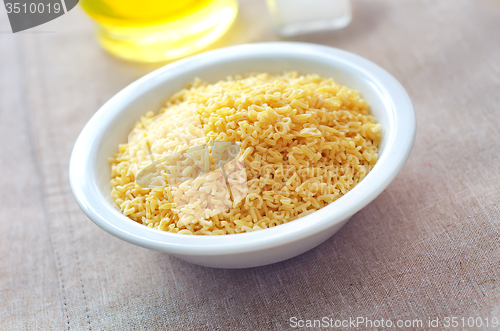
{"points": [[426, 248]]}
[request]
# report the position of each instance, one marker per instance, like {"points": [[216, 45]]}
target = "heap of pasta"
{"points": [[302, 141]]}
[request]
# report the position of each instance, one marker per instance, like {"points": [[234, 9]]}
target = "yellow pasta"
{"points": [[299, 142]]}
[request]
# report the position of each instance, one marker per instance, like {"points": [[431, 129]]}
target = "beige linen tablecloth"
{"points": [[426, 248]]}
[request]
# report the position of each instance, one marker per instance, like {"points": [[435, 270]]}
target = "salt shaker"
{"points": [[294, 17]]}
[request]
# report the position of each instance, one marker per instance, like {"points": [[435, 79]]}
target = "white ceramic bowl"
{"points": [[90, 171]]}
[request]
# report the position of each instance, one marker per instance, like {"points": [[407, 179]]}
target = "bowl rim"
{"points": [[84, 185]]}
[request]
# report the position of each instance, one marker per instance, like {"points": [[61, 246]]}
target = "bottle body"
{"points": [[159, 30], [294, 17]]}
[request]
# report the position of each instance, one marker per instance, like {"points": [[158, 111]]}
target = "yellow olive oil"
{"points": [[159, 30]]}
